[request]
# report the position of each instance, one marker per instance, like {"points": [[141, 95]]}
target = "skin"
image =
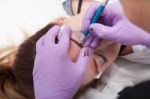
{"points": [[134, 13], [102, 57], [138, 12], [95, 64]]}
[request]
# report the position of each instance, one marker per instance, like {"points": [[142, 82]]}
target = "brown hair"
{"points": [[16, 81]]}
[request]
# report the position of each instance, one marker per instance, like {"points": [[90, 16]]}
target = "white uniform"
{"points": [[126, 71]]}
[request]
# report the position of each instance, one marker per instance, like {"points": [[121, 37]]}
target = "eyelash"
{"points": [[100, 55]]}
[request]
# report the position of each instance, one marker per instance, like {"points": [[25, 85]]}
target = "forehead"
{"points": [[75, 23]]}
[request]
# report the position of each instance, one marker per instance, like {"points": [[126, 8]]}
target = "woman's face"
{"points": [[104, 54], [102, 57]]}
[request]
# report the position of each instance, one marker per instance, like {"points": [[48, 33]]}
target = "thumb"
{"points": [[83, 57], [102, 31]]}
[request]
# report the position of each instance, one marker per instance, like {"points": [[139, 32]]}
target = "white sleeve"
{"points": [[141, 54]]}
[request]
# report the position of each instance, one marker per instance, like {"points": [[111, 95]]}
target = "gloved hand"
{"points": [[55, 75], [118, 29]]}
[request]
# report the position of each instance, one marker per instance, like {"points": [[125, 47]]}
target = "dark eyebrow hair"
{"points": [[80, 45]]}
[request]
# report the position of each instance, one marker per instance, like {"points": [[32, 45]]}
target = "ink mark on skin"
{"points": [[80, 45]]}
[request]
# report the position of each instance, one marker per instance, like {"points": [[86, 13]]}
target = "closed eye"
{"points": [[100, 55]]}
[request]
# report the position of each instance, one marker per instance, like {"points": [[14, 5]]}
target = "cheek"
{"points": [[113, 53], [74, 51], [90, 72]]}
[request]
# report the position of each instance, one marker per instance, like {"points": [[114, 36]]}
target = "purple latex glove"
{"points": [[91, 41], [55, 75], [119, 28]]}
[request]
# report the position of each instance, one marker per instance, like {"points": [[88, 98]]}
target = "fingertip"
{"points": [[94, 26], [88, 41], [90, 50], [67, 30], [65, 33], [65, 38], [97, 29], [52, 34], [95, 42], [54, 28]]}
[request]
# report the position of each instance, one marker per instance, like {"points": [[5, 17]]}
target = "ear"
{"points": [[99, 64], [97, 76]]}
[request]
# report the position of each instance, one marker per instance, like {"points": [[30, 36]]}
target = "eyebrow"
{"points": [[80, 45]]}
